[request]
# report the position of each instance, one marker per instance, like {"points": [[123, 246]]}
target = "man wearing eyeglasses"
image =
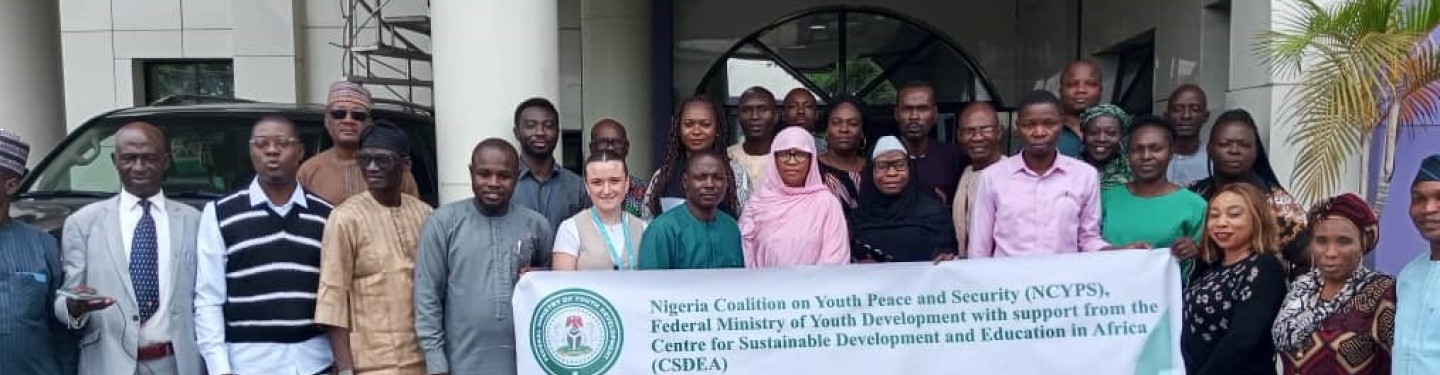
{"points": [[979, 137], [258, 267], [332, 174], [366, 297]]}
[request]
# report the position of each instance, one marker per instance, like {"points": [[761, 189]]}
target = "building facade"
{"points": [[630, 59]]}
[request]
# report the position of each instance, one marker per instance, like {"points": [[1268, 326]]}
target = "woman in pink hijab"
{"points": [[792, 218]]}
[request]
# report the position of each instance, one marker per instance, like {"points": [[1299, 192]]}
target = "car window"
{"points": [[209, 155]]}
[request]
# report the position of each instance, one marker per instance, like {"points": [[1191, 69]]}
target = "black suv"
{"points": [[210, 156]]}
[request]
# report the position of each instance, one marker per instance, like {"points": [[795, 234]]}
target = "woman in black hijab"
{"points": [[894, 222]]}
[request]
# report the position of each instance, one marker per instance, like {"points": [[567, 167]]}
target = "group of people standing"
{"points": [[334, 266]]}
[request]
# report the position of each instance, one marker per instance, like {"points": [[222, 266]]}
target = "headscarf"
{"points": [[1353, 208], [1116, 170], [14, 153], [1303, 310], [350, 92], [1429, 170], [909, 208], [776, 209], [886, 144], [1106, 110], [384, 134]]}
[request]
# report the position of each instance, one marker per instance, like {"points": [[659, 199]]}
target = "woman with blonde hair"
{"points": [[602, 237], [1239, 285]]}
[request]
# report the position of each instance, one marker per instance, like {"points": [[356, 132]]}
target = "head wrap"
{"points": [[1302, 311], [1106, 110], [1353, 208], [13, 153], [777, 211], [886, 144], [386, 135], [1429, 170], [350, 92], [882, 223]]}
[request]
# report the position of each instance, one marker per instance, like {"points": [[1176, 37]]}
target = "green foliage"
{"points": [[1363, 58], [858, 72]]}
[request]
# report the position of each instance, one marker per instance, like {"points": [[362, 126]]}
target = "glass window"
{"points": [[843, 53], [215, 78], [210, 157], [1134, 81]]}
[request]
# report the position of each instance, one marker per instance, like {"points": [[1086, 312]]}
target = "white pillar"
{"points": [[488, 57], [615, 38], [1266, 94], [33, 100]]}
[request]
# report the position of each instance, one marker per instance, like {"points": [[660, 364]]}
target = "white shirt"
{"points": [[567, 239], [156, 330], [1186, 169], [304, 358]]}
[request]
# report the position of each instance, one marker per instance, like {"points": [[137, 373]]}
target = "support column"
{"points": [[34, 105], [488, 57], [1256, 88], [615, 40]]}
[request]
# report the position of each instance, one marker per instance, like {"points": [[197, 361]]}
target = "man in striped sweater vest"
{"points": [[258, 267]]}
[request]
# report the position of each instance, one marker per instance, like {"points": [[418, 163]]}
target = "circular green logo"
{"points": [[575, 331]]}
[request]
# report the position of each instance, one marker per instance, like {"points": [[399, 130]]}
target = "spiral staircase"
{"points": [[381, 50]]}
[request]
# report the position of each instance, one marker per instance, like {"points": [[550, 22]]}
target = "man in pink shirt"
{"points": [[1041, 202]]}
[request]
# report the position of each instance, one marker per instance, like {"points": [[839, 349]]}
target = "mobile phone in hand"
{"points": [[87, 297]]}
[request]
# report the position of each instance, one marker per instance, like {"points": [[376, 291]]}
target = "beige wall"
{"points": [[102, 39]]}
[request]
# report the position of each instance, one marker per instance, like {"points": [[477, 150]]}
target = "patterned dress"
{"points": [[635, 195], [844, 184], [1115, 173], [1354, 339], [1228, 313]]}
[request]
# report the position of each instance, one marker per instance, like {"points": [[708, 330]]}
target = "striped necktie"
{"points": [[144, 263]]}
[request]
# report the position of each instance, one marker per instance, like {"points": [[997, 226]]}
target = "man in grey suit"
{"points": [[130, 269]]}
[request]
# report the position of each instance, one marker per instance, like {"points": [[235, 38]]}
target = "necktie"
{"points": [[144, 263]]}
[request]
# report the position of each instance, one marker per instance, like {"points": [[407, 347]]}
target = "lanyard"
{"points": [[610, 245]]}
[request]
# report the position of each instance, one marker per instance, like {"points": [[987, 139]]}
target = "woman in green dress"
{"points": [[1150, 208]]}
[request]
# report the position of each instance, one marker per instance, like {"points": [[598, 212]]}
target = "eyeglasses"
{"points": [[340, 114], [267, 142], [898, 166], [131, 159], [977, 131], [384, 161], [616, 142], [793, 156]]}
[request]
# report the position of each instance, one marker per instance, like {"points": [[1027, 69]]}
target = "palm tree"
{"points": [[1368, 63]]}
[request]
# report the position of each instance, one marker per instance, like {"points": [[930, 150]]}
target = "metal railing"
{"points": [[377, 51]]}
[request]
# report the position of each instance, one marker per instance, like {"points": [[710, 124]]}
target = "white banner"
{"points": [[1110, 313]]}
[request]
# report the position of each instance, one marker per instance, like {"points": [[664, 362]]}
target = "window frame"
{"points": [[150, 93]]}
